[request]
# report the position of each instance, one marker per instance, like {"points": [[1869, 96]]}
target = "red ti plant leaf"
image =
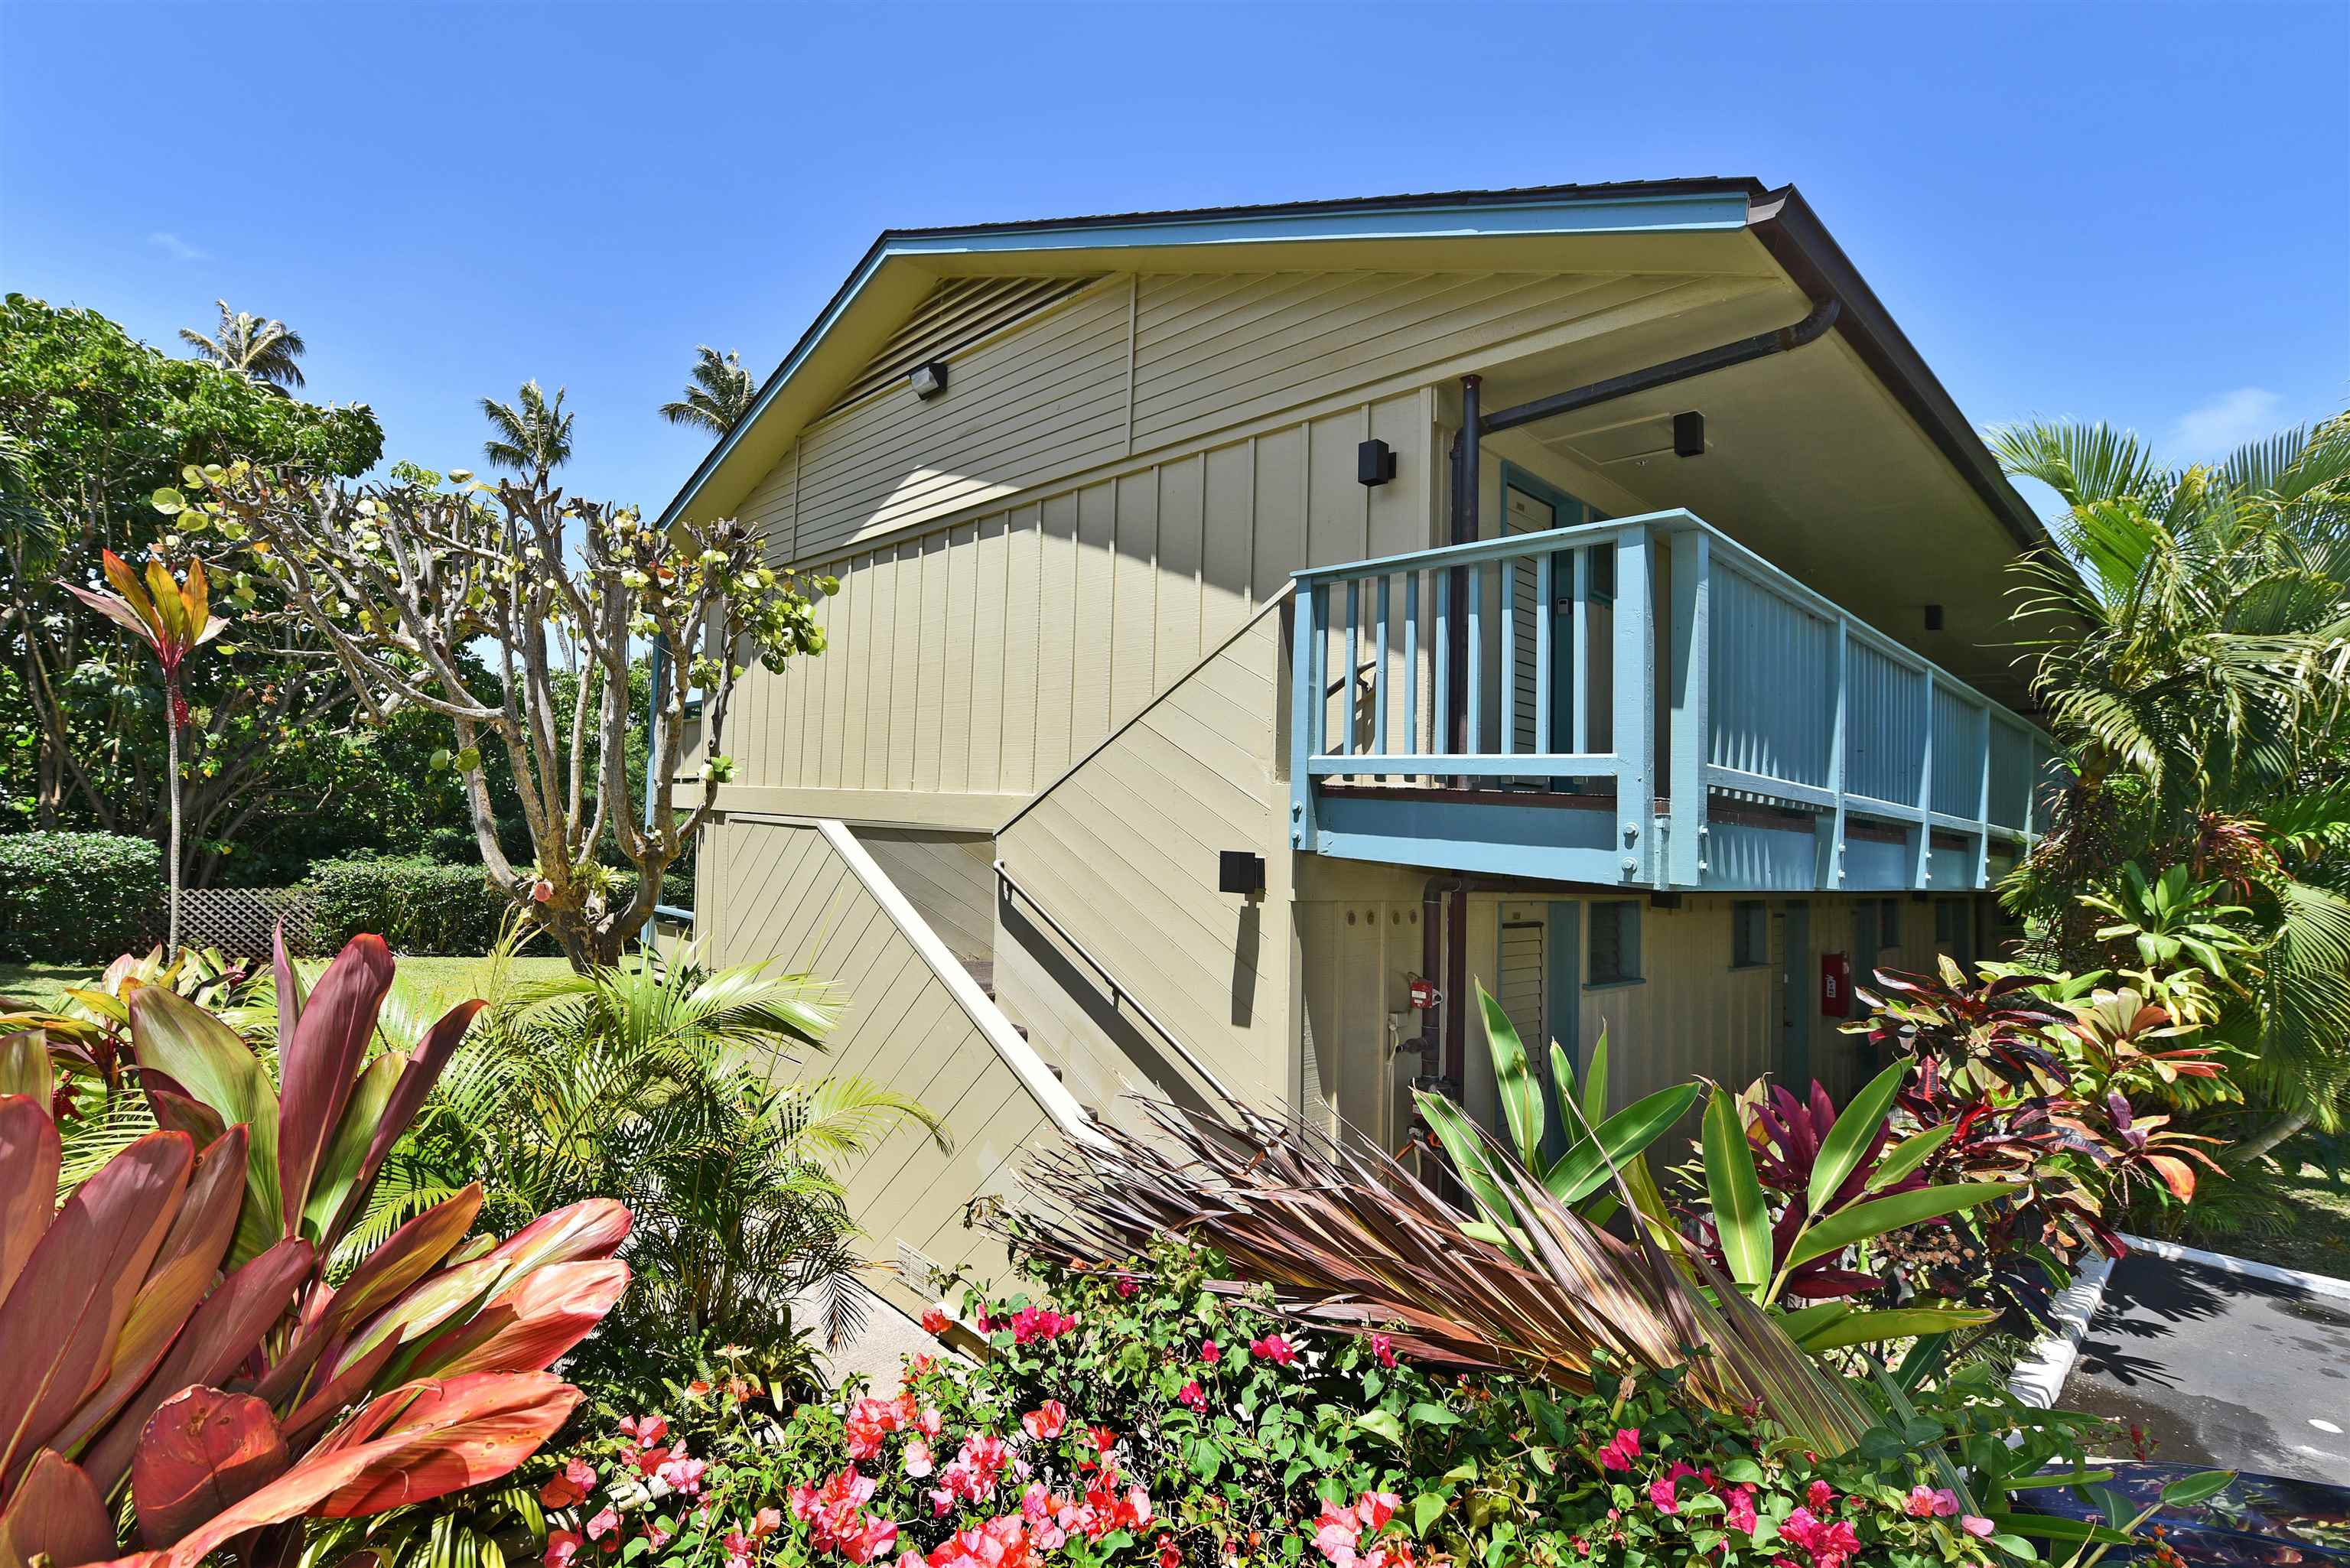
{"points": [[182, 1273], [59, 1325], [28, 1181], [420, 1441], [24, 1068], [204, 1451], [416, 1080], [176, 1110], [56, 1511], [593, 1229], [532, 1323], [223, 1332], [318, 1059], [405, 1256]]}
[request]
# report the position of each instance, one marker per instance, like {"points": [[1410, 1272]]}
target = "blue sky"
{"points": [[2135, 212]]}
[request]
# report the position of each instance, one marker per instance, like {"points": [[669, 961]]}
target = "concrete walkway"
{"points": [[2221, 1369]]}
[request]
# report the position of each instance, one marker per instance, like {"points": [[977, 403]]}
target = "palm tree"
{"points": [[530, 435], [249, 345], [668, 1085], [720, 396], [2197, 682]]}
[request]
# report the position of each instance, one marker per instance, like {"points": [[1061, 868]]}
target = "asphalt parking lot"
{"points": [[2221, 1369]]}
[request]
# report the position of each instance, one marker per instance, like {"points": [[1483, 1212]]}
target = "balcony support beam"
{"points": [[1692, 660], [1634, 707]]}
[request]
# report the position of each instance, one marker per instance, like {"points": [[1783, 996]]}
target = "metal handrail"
{"points": [[1119, 996]]}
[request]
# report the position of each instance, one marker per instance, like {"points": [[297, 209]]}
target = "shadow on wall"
{"points": [[1147, 1063]]}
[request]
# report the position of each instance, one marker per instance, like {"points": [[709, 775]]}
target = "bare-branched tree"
{"points": [[402, 578]]}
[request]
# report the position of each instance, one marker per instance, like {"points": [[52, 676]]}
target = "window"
{"points": [[1615, 942], [1749, 933], [1889, 923], [1948, 926]]}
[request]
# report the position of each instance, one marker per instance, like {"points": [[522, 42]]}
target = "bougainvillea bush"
{"points": [[1133, 1417]]}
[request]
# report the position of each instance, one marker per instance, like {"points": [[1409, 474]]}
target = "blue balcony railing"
{"points": [[1643, 701]]}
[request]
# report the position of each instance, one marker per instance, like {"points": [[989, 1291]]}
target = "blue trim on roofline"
{"points": [[1675, 212]]}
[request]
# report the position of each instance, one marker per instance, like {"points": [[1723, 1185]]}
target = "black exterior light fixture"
{"points": [[929, 380], [1240, 871], [1933, 618], [1689, 434], [1374, 463]]}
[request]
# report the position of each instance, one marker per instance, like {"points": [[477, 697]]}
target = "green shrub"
{"points": [[78, 898], [416, 905], [419, 905]]}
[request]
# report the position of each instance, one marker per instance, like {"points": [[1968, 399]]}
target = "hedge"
{"points": [[79, 897], [419, 906]]}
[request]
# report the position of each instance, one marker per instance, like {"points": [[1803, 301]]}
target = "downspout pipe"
{"points": [[1761, 345]]}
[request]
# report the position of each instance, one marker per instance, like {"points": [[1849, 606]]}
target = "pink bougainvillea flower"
{"points": [[562, 1546], [1045, 1422], [1383, 1348], [1976, 1525], [1210, 1353], [1190, 1397], [1929, 1502], [1126, 1288], [646, 1430], [918, 1461], [738, 1548], [1273, 1347], [1103, 1438], [935, 1322], [578, 1479], [1821, 1496], [871, 1540], [1621, 1449], [656, 1537], [928, 1422], [606, 1522], [683, 1474]]}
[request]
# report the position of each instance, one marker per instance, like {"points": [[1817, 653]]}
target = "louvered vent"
{"points": [[959, 314]]}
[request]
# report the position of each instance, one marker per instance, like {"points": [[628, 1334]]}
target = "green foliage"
{"points": [[653, 1083], [76, 896], [92, 425], [1163, 1417], [419, 906]]}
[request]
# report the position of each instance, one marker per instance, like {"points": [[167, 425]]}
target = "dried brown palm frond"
{"points": [[1351, 1240]]}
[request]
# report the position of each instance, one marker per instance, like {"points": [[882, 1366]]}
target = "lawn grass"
{"points": [[426, 987], [2318, 1238]]}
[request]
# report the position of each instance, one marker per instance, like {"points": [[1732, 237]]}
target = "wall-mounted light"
{"points": [[1241, 871], [1689, 434], [1373, 463], [1933, 618], [929, 380]]}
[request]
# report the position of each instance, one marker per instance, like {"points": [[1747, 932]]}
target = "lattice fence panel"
{"points": [[239, 920]]}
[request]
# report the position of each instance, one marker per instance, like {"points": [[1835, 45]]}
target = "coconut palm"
{"points": [[262, 348], [673, 1083], [2196, 681], [721, 394], [529, 435]]}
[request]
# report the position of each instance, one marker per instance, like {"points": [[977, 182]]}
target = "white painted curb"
{"points": [[2039, 1376], [2315, 1284]]}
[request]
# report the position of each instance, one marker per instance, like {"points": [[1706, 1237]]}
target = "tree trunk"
{"points": [[171, 727], [2276, 1133]]}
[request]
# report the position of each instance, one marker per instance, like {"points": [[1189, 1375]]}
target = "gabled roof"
{"points": [[1780, 220]]}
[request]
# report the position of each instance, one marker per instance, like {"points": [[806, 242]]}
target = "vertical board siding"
{"points": [[1773, 682], [1957, 754], [2010, 775], [1038, 401], [777, 893], [1886, 704], [1123, 850], [989, 656]]}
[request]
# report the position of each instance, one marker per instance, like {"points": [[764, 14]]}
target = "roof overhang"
{"points": [[1728, 227]]}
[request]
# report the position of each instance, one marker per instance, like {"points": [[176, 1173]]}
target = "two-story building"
{"points": [[1257, 624]]}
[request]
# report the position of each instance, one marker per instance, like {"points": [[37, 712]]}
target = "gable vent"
{"points": [[959, 314]]}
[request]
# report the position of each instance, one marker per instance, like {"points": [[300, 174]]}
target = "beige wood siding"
{"points": [[1211, 350], [770, 512], [987, 657], [947, 877], [1359, 935], [1123, 850], [778, 892], [1046, 398]]}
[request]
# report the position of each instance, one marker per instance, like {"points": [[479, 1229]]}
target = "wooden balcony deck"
{"points": [[1707, 721]]}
